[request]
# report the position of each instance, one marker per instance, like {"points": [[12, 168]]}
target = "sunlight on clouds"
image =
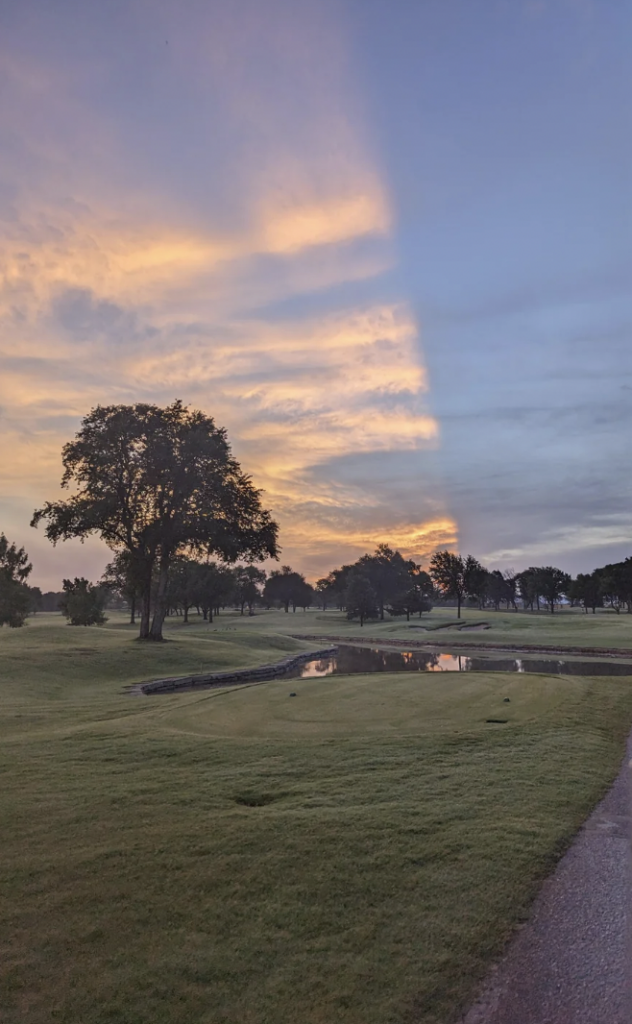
{"points": [[320, 549], [113, 296], [336, 220], [310, 391]]}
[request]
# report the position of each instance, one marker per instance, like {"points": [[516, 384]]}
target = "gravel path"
{"points": [[572, 962]]}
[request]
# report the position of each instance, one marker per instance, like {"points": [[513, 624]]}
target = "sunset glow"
{"points": [[324, 225], [108, 300]]}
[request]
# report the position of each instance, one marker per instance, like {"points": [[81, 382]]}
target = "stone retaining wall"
{"points": [[207, 680]]}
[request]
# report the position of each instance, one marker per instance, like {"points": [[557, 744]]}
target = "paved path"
{"points": [[572, 962]]}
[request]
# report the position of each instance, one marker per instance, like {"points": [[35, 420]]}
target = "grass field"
{"points": [[563, 629], [355, 854]]}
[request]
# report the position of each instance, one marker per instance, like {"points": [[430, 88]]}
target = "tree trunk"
{"points": [[186, 614], [458, 606], [145, 612], [132, 611], [160, 610]]}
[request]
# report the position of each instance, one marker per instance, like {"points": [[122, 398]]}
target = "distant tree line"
{"points": [[185, 525], [460, 578]]}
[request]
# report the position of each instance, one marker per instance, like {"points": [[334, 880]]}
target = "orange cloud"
{"points": [[310, 213]]}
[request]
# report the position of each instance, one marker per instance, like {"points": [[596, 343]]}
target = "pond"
{"points": [[349, 659]]}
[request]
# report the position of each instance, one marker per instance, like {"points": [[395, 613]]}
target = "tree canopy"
{"points": [[448, 573], [361, 599], [158, 482], [16, 599], [83, 603], [286, 587]]}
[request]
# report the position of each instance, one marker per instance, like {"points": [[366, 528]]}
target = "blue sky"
{"points": [[387, 245]]}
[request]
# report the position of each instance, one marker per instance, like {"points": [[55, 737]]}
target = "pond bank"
{"points": [[589, 652], [207, 680]]}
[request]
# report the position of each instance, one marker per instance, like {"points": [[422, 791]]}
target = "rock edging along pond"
{"points": [[383, 641], [206, 680]]}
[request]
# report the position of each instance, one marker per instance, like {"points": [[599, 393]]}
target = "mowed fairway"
{"points": [[356, 853]]}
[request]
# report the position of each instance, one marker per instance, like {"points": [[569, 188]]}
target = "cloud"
{"points": [[120, 285]]}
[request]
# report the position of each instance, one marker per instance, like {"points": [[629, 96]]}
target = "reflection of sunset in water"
{"points": [[352, 660]]}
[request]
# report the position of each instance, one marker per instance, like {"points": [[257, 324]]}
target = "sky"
{"points": [[387, 244]]}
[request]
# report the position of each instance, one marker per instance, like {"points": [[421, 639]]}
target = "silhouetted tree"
{"points": [[361, 599], [83, 603], [447, 571], [285, 587], [616, 583], [123, 576], [476, 580], [158, 483], [552, 584], [184, 584], [497, 589], [528, 583], [418, 596], [586, 590], [15, 594], [387, 572], [248, 581], [215, 587]]}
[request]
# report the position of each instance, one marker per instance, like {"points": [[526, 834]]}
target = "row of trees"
{"points": [[387, 581], [375, 584], [206, 586], [459, 578], [162, 489], [209, 585]]}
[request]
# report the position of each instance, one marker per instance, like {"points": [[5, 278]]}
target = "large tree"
{"points": [[122, 576], [215, 588], [587, 590], [552, 584], [15, 595], [158, 482], [387, 572], [248, 581], [361, 600], [287, 587], [418, 595], [476, 578], [83, 603], [448, 573]]}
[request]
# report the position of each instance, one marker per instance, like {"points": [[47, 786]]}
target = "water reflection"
{"points": [[349, 660]]}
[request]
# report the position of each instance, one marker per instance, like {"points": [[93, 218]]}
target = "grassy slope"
{"points": [[563, 629], [402, 837]]}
